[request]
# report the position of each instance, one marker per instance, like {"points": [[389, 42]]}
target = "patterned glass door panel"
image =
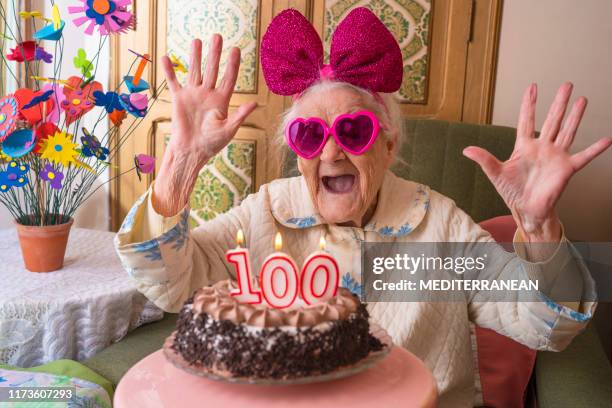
{"points": [[167, 27], [235, 20], [409, 21], [225, 180]]}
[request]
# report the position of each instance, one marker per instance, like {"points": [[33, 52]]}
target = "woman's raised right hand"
{"points": [[201, 126]]}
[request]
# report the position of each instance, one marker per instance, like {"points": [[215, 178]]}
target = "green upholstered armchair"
{"points": [[431, 153]]}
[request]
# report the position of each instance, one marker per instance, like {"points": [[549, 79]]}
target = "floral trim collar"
{"points": [[402, 205]]}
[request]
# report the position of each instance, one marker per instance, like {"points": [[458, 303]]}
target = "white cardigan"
{"points": [[168, 261]]}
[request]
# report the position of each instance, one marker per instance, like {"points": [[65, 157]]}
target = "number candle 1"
{"points": [[278, 277], [239, 257], [320, 276]]}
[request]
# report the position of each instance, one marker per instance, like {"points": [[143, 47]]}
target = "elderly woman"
{"points": [[347, 194]]}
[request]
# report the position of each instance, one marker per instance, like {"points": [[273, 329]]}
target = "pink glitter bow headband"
{"points": [[363, 53]]}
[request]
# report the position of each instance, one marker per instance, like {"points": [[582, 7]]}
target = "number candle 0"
{"points": [[320, 276], [239, 257], [278, 277]]}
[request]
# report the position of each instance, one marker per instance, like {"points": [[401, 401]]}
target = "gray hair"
{"points": [[386, 108]]}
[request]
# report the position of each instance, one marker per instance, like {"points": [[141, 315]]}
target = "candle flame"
{"points": [[240, 237], [278, 242], [322, 243]]}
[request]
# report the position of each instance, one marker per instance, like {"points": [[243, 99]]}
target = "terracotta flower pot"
{"points": [[43, 248]]}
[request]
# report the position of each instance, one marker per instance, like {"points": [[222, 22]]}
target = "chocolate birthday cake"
{"points": [[218, 334]]}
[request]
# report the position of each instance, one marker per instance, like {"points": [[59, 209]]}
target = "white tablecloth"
{"points": [[71, 313]]}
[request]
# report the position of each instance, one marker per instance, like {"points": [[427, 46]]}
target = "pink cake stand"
{"points": [[399, 380]]}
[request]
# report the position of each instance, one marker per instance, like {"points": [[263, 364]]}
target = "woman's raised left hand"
{"points": [[536, 174]]}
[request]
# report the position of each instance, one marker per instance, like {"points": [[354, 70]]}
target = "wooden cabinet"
{"points": [[449, 50]]}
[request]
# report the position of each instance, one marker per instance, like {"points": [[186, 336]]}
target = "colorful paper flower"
{"points": [[30, 14], [43, 97], [33, 114], [134, 87], [54, 177], [42, 133], [88, 87], [50, 32], [117, 116], [19, 143], [93, 147], [13, 176], [8, 116], [109, 100], [79, 97], [81, 62], [42, 55], [136, 83], [28, 51], [25, 51], [59, 149], [53, 114], [177, 64], [76, 105], [111, 16], [53, 31], [135, 103], [144, 163]]}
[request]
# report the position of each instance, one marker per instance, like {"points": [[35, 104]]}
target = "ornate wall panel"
{"points": [[236, 20], [409, 21], [224, 182]]}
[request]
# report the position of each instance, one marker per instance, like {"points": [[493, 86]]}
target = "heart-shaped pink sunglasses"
{"points": [[353, 132]]}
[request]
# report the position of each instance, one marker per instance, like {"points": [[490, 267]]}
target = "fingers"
{"points": [[526, 121], [228, 82], [570, 127], [552, 124], [581, 159], [489, 164], [173, 83], [212, 61], [195, 63], [235, 119]]}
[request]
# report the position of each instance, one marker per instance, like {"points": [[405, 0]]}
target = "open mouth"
{"points": [[339, 184]]}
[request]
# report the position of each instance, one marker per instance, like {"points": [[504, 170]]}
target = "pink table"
{"points": [[400, 380]]}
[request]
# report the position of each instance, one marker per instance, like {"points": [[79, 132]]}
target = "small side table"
{"points": [[400, 380], [71, 313]]}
